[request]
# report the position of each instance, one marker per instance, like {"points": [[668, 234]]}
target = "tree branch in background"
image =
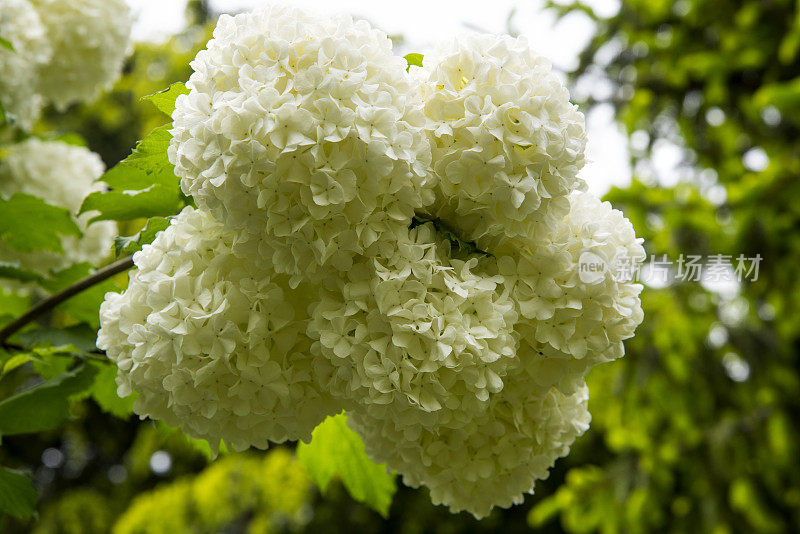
{"points": [[51, 302]]}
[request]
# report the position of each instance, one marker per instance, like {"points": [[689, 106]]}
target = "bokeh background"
{"points": [[694, 110]]}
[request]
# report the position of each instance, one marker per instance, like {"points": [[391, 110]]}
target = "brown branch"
{"points": [[54, 300]]}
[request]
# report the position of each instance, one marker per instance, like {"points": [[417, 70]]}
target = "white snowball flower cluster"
{"points": [[61, 175], [494, 459], [564, 327], [21, 26], [424, 233], [305, 132], [583, 318], [507, 143], [65, 51], [91, 39], [214, 343]]}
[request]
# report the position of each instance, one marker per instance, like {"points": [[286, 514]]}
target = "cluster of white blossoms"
{"points": [[537, 400], [214, 343], [507, 143], [420, 336], [22, 28], [496, 457], [61, 175], [92, 40], [305, 133], [420, 235], [64, 51]]}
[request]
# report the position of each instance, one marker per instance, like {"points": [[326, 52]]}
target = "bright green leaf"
{"points": [[15, 361], [51, 364], [46, 405], [17, 494], [165, 100], [142, 185], [413, 59], [155, 200], [127, 245], [28, 223], [5, 43], [147, 165], [336, 450]]}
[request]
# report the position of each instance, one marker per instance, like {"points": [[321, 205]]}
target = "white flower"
{"points": [[496, 457], [424, 336], [506, 142], [307, 133], [61, 175], [309, 150], [20, 25], [214, 343], [468, 374], [583, 319], [90, 40]]}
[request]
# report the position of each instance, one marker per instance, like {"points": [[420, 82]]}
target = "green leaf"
{"points": [[336, 450], [104, 392], [127, 245], [17, 494], [12, 270], [142, 185], [46, 405], [413, 59], [50, 363], [78, 338], [165, 100], [28, 223], [15, 361], [5, 43]]}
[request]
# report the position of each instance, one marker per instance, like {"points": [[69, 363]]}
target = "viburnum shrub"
{"points": [[401, 245]]}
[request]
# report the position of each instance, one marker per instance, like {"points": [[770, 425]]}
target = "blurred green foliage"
{"points": [[680, 440], [259, 492]]}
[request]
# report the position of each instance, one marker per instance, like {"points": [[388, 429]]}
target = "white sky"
{"points": [[422, 23]]}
